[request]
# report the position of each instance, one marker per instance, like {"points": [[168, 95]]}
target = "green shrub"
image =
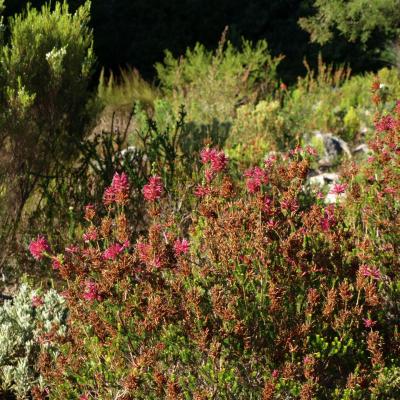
{"points": [[45, 70], [331, 100], [212, 84], [352, 19]]}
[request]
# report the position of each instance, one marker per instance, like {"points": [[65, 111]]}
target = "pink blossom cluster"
{"points": [[90, 234], [291, 205], [300, 150], [255, 178], [202, 191], [112, 252], [338, 188], [91, 291], [389, 190], [296, 150], [386, 123], [311, 151], [272, 224], [370, 272], [368, 322], [56, 263], [267, 206], [217, 159], [329, 218], [154, 189], [118, 192], [72, 249], [181, 247], [39, 247]]}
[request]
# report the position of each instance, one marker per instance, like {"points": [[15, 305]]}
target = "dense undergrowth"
{"points": [[192, 256], [264, 292]]}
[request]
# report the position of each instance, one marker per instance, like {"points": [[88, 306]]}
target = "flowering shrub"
{"points": [[273, 294]]}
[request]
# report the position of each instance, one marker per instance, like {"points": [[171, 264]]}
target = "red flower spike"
{"points": [[39, 247], [181, 247], [112, 252], [154, 189]]}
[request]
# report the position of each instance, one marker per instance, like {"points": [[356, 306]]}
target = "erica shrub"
{"points": [[266, 292]]}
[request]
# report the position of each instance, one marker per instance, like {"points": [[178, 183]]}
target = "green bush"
{"points": [[331, 100], [213, 84], [45, 70]]}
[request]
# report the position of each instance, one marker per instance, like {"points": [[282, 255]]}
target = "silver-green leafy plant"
{"points": [[23, 322]]}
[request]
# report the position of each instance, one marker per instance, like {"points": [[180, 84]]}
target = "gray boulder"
{"points": [[333, 147]]}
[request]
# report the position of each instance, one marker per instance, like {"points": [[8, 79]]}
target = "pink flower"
{"points": [[154, 189], [369, 323], [219, 162], [217, 159], [39, 247], [275, 373], [90, 235], [267, 204], [108, 196], [338, 188], [207, 155], [209, 174], [56, 263], [202, 191], [311, 151], [389, 190], [386, 123], [72, 249], [307, 360], [325, 225], [296, 150], [37, 301], [84, 397], [320, 196], [65, 294], [91, 291], [118, 192], [290, 205], [181, 247], [157, 262], [370, 272], [329, 218], [272, 224], [112, 252], [255, 178], [120, 182]]}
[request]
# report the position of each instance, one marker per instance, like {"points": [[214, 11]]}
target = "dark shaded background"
{"points": [[136, 32]]}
